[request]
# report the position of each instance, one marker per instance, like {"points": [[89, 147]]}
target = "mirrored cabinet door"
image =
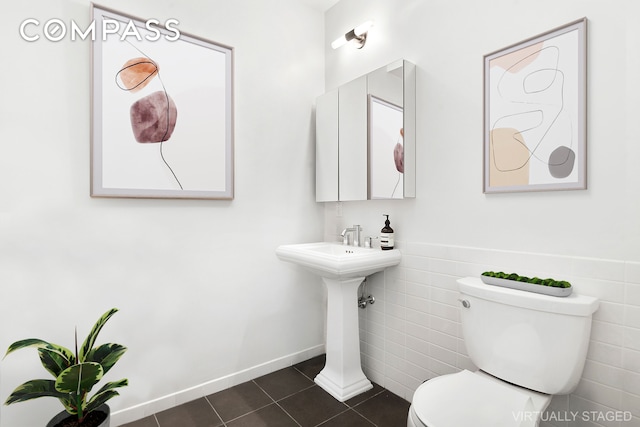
{"points": [[409, 102], [352, 140], [327, 147], [386, 132], [365, 137]]}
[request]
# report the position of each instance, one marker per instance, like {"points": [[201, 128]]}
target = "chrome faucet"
{"points": [[355, 232]]}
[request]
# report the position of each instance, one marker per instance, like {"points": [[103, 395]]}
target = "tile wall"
{"points": [[412, 332]]}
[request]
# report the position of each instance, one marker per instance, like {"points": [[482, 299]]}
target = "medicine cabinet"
{"points": [[366, 137]]}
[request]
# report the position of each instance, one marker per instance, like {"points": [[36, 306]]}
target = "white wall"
{"points": [[203, 298], [452, 229], [412, 332], [447, 41]]}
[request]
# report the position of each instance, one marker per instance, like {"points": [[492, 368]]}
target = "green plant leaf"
{"points": [[34, 389], [113, 385], [87, 345], [29, 342], [75, 377], [105, 393], [53, 361], [79, 379], [35, 342], [69, 404], [106, 355], [99, 399]]}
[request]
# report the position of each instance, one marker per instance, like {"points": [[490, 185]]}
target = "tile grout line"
{"points": [[224, 423], [335, 416], [277, 404], [366, 400], [352, 408], [288, 414], [347, 407], [368, 420], [303, 374], [244, 415]]}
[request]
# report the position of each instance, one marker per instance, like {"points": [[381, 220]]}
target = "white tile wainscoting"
{"points": [[412, 332]]}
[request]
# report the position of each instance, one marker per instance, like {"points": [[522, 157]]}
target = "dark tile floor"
{"points": [[287, 397]]}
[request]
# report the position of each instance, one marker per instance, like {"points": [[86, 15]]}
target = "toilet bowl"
{"points": [[527, 347], [475, 399]]}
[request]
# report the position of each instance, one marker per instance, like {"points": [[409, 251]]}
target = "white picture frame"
{"points": [[535, 113], [162, 111]]}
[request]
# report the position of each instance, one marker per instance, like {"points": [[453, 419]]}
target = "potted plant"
{"points": [[75, 373]]}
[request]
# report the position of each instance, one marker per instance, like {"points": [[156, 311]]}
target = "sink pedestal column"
{"points": [[342, 376]]}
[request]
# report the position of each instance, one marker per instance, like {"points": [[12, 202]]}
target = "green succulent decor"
{"points": [[533, 280], [75, 373]]}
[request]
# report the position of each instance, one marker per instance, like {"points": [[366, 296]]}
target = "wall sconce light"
{"points": [[358, 35]]}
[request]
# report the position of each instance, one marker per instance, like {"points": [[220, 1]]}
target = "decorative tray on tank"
{"points": [[540, 286]]}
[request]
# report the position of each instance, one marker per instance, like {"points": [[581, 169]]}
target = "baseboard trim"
{"points": [[145, 409]]}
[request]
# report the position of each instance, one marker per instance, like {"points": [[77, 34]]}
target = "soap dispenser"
{"points": [[386, 235]]}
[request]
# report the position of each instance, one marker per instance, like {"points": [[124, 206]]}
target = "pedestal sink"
{"points": [[342, 268]]}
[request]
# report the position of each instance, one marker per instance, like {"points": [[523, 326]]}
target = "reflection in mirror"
{"points": [[386, 150], [365, 137]]}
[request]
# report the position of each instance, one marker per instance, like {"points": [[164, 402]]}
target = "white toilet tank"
{"points": [[536, 341]]}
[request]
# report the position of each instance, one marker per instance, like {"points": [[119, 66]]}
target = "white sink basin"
{"points": [[336, 261], [342, 268]]}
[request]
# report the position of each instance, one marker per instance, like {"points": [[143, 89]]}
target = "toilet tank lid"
{"points": [[574, 304]]}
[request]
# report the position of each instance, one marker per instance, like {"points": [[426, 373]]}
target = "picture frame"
{"points": [[162, 111], [535, 95]]}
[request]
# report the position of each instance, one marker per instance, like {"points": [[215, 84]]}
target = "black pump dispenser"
{"points": [[386, 235]]}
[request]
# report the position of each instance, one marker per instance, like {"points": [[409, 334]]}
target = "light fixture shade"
{"points": [[362, 28], [359, 34], [340, 41]]}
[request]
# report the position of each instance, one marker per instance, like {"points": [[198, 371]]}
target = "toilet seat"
{"points": [[475, 399]]}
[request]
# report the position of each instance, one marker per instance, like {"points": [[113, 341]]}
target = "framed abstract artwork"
{"points": [[162, 111], [535, 113]]}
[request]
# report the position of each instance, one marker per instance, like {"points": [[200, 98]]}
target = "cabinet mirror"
{"points": [[365, 137]]}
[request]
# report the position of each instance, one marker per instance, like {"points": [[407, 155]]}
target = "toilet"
{"points": [[527, 347]]}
